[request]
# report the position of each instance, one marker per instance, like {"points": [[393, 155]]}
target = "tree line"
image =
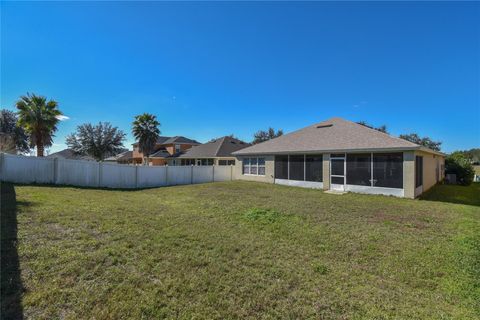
{"points": [[36, 120], [35, 123]]}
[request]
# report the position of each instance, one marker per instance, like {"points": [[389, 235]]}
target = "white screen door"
{"points": [[337, 172]]}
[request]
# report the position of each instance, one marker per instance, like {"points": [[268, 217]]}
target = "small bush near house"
{"points": [[460, 165]]}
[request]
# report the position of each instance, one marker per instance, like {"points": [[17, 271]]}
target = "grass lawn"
{"points": [[238, 250]]}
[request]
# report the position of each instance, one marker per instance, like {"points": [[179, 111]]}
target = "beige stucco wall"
{"points": [[409, 174], [430, 168], [269, 170], [326, 171], [429, 171]]}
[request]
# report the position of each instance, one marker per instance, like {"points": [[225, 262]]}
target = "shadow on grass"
{"points": [[11, 283], [469, 195], [50, 185]]}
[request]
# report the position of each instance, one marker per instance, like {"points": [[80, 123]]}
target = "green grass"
{"points": [[239, 250], [455, 194]]}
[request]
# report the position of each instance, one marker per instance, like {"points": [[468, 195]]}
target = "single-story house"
{"points": [[69, 154], [216, 152], [123, 158], [338, 154], [165, 148]]}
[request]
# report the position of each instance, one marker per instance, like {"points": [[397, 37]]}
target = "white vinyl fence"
{"points": [[83, 173]]}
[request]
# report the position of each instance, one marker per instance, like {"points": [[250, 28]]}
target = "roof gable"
{"points": [[335, 134]]}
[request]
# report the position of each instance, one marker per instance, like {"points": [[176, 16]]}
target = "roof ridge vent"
{"points": [[324, 126]]}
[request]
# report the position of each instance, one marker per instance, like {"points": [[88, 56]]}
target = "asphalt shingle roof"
{"points": [[221, 147], [69, 154], [121, 156], [172, 140], [335, 134], [162, 153]]}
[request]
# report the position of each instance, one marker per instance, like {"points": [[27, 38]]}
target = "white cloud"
{"points": [[62, 117]]}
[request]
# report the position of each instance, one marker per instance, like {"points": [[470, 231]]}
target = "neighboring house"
{"points": [[69, 154], [476, 177], [123, 158], [165, 148], [342, 155], [217, 152]]}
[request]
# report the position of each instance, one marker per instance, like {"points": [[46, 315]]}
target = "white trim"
{"points": [[375, 190], [337, 187], [300, 183], [257, 165]]}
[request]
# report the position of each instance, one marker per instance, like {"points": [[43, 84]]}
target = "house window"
{"points": [[359, 169], [418, 171], [281, 167], [296, 166], [226, 162], [246, 166], [177, 148], [205, 162], [187, 162], [388, 170], [314, 168], [261, 166], [254, 166]]}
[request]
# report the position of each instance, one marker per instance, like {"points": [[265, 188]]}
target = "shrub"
{"points": [[460, 165]]}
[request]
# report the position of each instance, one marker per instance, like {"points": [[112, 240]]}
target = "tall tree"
{"points": [[13, 137], [472, 154], [39, 119], [261, 136], [425, 141], [382, 128], [98, 141], [145, 130]]}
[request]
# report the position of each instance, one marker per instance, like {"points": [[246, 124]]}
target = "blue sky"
{"points": [[211, 69]]}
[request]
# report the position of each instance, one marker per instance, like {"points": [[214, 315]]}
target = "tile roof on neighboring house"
{"points": [[69, 154], [121, 156], [332, 135], [173, 140], [221, 147]]}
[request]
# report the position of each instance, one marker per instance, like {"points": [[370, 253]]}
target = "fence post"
{"points": [[166, 175], [191, 174], [2, 161], [136, 177], [99, 174], [55, 169]]}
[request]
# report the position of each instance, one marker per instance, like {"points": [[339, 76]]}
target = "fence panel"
{"points": [[22, 169], [179, 175], [223, 173], [117, 176], [202, 174], [151, 176], [81, 173]]}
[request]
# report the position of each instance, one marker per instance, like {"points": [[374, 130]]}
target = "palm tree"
{"points": [[146, 132], [39, 119]]}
